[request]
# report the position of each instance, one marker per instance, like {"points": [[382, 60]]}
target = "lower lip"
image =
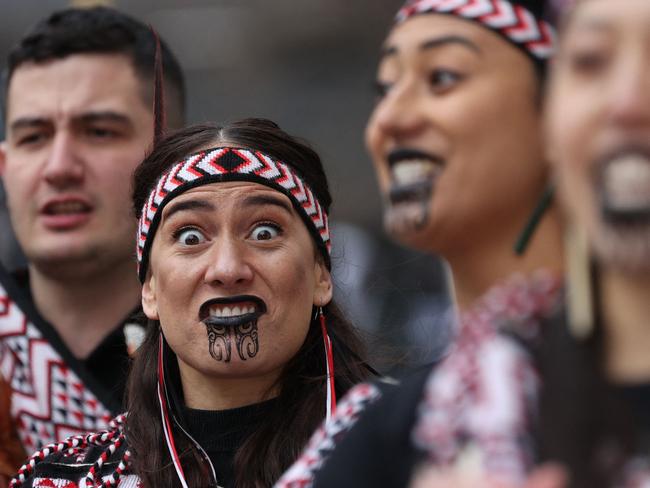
{"points": [[237, 320], [65, 221]]}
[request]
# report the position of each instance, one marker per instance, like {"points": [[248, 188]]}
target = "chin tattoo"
{"points": [[409, 208], [247, 340], [223, 337], [219, 342]]}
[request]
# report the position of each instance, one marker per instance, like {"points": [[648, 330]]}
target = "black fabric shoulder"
{"points": [[378, 450]]}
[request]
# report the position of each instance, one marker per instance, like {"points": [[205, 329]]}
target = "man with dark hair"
{"points": [[79, 92]]}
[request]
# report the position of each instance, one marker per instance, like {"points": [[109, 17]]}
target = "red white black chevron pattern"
{"points": [[49, 401], [513, 21], [328, 435], [228, 164]]}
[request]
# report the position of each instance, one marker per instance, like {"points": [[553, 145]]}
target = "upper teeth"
{"points": [[627, 182], [67, 207], [412, 171], [231, 311]]}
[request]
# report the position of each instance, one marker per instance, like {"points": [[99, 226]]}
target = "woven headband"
{"points": [[230, 164], [514, 22]]}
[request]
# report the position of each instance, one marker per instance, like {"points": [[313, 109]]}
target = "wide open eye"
{"points": [[265, 232], [190, 237]]}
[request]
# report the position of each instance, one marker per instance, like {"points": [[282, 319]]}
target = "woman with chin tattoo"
{"points": [[588, 426], [245, 353], [456, 142], [595, 359]]}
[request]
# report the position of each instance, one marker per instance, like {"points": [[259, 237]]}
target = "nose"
{"points": [[63, 167], [399, 114], [228, 264], [629, 93]]}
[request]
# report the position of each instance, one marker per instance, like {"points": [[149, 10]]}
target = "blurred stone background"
{"points": [[309, 65]]}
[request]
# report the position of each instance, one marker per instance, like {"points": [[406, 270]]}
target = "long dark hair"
{"points": [[300, 405], [585, 423]]}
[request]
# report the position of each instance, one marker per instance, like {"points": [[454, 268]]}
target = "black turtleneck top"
{"points": [[222, 432]]}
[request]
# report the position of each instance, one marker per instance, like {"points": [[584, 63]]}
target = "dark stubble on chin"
{"points": [[222, 337]]}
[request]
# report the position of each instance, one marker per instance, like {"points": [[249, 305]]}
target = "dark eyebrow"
{"points": [[433, 44], [447, 40], [255, 200], [26, 122], [88, 117], [185, 205], [105, 116]]}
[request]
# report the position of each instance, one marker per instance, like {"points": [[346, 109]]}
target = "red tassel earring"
{"points": [[329, 361]]}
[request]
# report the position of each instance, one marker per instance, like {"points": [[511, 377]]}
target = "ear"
{"points": [[149, 302], [3, 157], [322, 284]]}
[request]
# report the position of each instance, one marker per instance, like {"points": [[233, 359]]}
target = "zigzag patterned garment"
{"points": [[324, 440], [130, 481], [487, 374], [50, 401]]}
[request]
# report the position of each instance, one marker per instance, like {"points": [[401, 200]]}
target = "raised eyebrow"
{"points": [[187, 205], [255, 200], [442, 41]]}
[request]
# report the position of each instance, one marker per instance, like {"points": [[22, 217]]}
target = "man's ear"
{"points": [[323, 289], [149, 302]]}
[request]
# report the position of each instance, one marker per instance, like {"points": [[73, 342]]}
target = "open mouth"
{"points": [[413, 174], [232, 311], [625, 184], [67, 207], [231, 325]]}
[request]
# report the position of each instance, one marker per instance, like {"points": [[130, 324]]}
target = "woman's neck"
{"points": [[625, 302], [492, 260], [205, 392]]}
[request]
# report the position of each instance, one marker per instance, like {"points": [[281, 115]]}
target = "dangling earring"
{"points": [[526, 234], [329, 362], [164, 413], [579, 295]]}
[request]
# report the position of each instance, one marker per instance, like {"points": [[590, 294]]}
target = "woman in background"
{"points": [[593, 357], [596, 362], [456, 141]]}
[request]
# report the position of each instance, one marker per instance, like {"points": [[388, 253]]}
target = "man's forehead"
{"points": [[74, 85]]}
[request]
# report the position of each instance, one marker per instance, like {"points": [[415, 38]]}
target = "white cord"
{"points": [[328, 407]]}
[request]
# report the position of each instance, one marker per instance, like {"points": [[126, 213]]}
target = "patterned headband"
{"points": [[514, 22], [230, 164]]}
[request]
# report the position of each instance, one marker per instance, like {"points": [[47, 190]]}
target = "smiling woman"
{"points": [[237, 366], [456, 144], [597, 378]]}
